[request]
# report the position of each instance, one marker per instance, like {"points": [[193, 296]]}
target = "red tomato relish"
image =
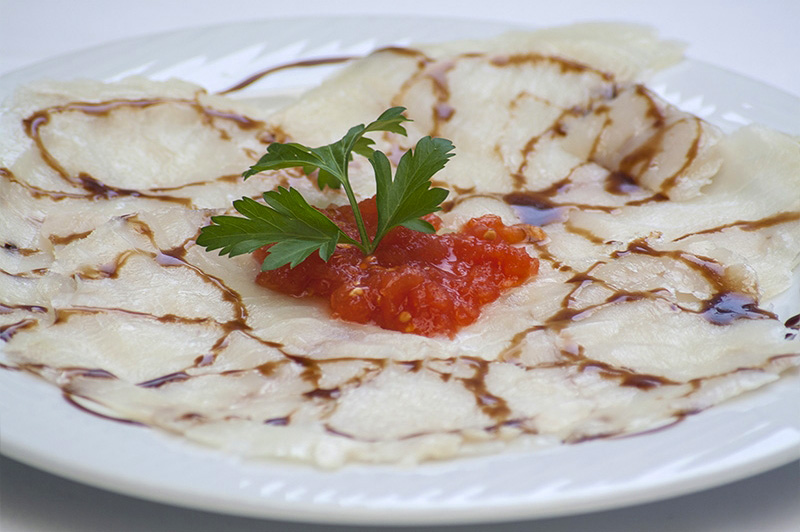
{"points": [[427, 284]]}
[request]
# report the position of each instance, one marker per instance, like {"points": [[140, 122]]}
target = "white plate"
{"points": [[743, 437]]}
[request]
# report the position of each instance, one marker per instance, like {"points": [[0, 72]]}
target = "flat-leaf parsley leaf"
{"points": [[295, 229]]}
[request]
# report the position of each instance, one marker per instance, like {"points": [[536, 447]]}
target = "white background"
{"points": [[758, 39]]}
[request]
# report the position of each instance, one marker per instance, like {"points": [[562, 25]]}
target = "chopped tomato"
{"points": [[427, 284]]}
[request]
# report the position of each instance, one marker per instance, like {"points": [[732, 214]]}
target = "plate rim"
{"points": [[334, 513]]}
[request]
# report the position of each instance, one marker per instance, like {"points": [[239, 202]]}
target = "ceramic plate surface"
{"points": [[748, 435]]}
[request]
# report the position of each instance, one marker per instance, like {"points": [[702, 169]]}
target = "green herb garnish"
{"points": [[297, 229]]}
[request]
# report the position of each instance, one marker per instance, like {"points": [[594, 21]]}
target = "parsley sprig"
{"points": [[296, 229]]}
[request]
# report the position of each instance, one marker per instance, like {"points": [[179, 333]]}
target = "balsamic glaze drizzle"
{"points": [[538, 206]]}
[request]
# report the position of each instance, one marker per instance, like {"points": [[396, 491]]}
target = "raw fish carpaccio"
{"points": [[666, 239]]}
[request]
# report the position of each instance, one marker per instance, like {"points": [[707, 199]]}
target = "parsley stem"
{"points": [[366, 246]]}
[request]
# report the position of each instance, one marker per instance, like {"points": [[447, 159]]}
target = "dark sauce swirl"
{"points": [[543, 206]]}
